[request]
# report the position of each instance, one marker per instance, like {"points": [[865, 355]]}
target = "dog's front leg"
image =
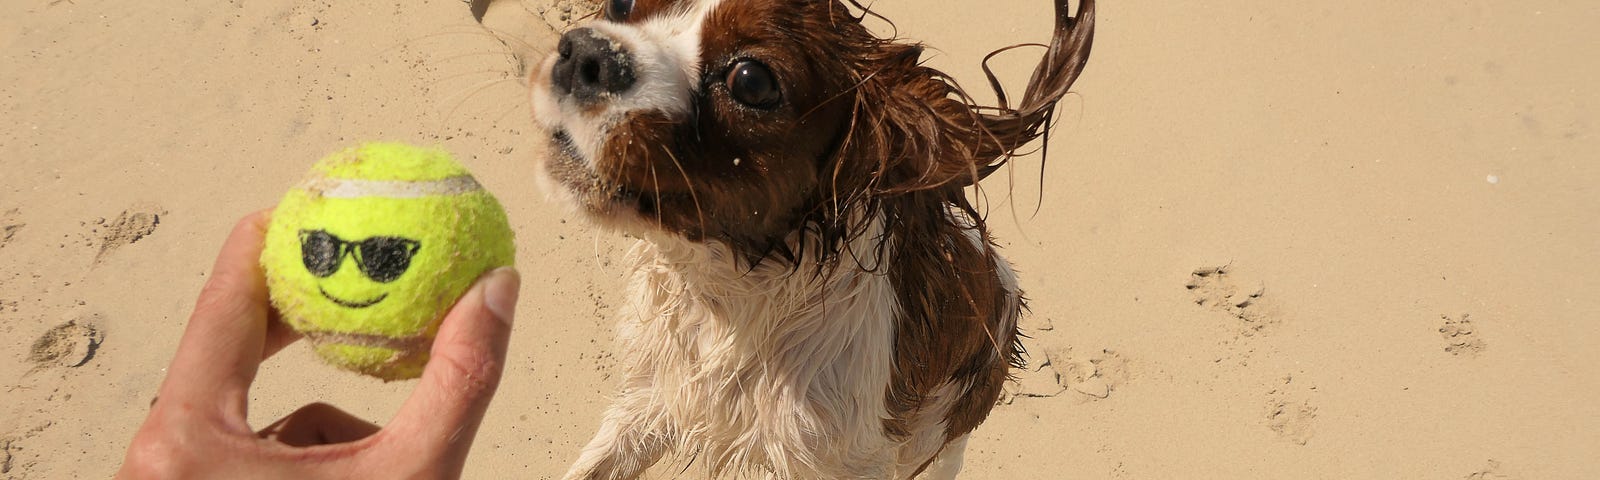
{"points": [[948, 462], [632, 437]]}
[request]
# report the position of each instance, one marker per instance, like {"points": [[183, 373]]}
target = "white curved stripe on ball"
{"points": [[355, 188]]}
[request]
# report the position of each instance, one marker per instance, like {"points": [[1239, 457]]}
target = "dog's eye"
{"points": [[751, 83], [618, 10]]}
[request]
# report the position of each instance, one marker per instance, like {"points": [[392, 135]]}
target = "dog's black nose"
{"points": [[591, 65]]}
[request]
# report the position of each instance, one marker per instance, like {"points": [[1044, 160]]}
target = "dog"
{"points": [[812, 294]]}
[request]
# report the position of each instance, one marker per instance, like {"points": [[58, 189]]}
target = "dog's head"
{"points": [[746, 121]]}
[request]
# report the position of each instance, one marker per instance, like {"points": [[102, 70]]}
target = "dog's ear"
{"points": [[914, 129]]}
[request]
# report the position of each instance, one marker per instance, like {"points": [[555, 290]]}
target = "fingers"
{"points": [[318, 424], [223, 343], [443, 413]]}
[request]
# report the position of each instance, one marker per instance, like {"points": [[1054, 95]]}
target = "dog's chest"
{"points": [[786, 371]]}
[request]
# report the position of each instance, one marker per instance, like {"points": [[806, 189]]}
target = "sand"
{"points": [[1274, 239]]}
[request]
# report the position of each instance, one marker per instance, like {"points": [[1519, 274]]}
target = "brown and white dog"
{"points": [[812, 295]]}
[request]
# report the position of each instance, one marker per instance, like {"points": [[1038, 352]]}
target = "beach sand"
{"points": [[1273, 239]]}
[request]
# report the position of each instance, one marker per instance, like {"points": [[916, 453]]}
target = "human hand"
{"points": [[197, 427]]}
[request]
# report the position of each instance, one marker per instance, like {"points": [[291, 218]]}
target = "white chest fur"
{"points": [[769, 367]]}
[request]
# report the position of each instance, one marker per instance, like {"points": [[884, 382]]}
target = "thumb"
{"points": [[468, 356]]}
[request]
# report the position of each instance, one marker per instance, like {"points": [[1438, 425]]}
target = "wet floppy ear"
{"points": [[914, 129], [911, 128]]}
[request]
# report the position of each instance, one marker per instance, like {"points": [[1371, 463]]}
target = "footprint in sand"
{"points": [[11, 446], [1488, 472], [10, 224], [131, 226], [1288, 414], [6, 459], [1089, 377], [1460, 337], [1215, 288], [72, 344]]}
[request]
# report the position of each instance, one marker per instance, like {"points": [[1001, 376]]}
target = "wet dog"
{"points": [[813, 294]]}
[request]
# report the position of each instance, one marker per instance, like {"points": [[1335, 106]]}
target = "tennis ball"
{"points": [[367, 254]]}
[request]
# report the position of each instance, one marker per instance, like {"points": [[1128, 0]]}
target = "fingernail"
{"points": [[500, 293]]}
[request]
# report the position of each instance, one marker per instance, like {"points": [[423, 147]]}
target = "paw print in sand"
{"points": [[1289, 416], [1089, 378], [1460, 336], [1215, 288]]}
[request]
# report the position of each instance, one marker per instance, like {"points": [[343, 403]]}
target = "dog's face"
{"points": [[745, 121], [709, 119]]}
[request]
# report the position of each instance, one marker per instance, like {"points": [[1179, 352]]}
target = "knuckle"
{"points": [[218, 297], [155, 456], [473, 371]]}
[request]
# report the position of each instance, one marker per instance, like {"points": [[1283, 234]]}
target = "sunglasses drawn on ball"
{"points": [[382, 259]]}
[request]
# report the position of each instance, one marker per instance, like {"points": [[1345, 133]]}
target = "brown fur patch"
{"points": [[954, 326], [916, 143]]}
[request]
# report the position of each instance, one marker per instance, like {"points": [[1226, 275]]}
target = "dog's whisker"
{"points": [[508, 38], [689, 182], [505, 112], [500, 76], [467, 94], [463, 55], [655, 184], [598, 262]]}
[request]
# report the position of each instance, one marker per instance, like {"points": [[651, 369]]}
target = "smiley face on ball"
{"points": [[382, 259]]}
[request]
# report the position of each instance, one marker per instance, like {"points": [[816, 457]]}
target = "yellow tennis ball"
{"points": [[366, 255]]}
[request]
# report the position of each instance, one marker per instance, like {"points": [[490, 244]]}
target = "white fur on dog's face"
{"points": [[665, 51]]}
